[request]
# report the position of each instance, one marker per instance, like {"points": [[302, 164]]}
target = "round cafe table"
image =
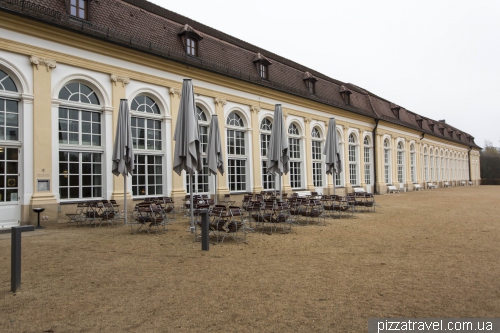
{"points": [[38, 211]]}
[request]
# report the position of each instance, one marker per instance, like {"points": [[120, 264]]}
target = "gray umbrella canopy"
{"points": [[187, 152], [332, 152], [123, 150], [278, 152], [214, 151]]}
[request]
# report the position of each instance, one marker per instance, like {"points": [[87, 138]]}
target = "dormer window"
{"points": [[79, 8], [191, 46], [263, 71], [310, 82], [450, 132], [419, 120], [190, 39], [346, 95], [262, 64], [431, 125], [459, 135], [310, 86], [395, 109], [441, 129]]}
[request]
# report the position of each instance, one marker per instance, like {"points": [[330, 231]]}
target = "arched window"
{"points": [[146, 129], [9, 136], [447, 167], [454, 166], [437, 165], [146, 124], [200, 180], [353, 160], [426, 165], [6, 82], [400, 161], [80, 171], [413, 170], [367, 149], [317, 154], [339, 180], [387, 162], [294, 142], [236, 153], [265, 135], [466, 162], [442, 167], [9, 110], [431, 165]]}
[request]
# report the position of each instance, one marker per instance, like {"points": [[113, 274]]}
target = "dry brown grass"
{"points": [[422, 254]]}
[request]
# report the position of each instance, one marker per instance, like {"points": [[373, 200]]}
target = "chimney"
{"points": [[442, 121]]}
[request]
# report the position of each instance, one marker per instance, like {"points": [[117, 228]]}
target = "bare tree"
{"points": [[490, 164]]}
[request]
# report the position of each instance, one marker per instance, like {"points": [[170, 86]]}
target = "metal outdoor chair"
{"points": [[107, 214], [78, 216]]}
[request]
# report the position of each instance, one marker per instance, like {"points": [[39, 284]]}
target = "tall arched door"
{"points": [[10, 152]]}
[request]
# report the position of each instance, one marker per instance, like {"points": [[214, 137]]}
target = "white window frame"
{"points": [[387, 162], [353, 159], [400, 161], [201, 180], [317, 157], [81, 149], [147, 158], [296, 156], [268, 180], [339, 179], [367, 159], [413, 174], [233, 158]]}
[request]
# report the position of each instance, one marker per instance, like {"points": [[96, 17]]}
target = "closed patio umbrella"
{"points": [[214, 151], [278, 152], [123, 150], [187, 152], [332, 152]]}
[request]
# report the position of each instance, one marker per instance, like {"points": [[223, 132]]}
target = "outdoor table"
{"points": [[226, 203], [38, 211]]}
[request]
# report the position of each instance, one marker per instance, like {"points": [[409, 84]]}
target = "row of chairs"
{"points": [[223, 222], [91, 212], [269, 214], [152, 214]]}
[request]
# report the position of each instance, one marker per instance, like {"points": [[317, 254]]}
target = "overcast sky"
{"points": [[440, 58]]}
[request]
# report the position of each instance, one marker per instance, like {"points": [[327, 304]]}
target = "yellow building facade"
{"points": [[60, 92]]}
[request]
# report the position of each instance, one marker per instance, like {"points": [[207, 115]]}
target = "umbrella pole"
{"points": [[215, 191], [191, 215], [333, 174], [281, 194], [125, 200]]}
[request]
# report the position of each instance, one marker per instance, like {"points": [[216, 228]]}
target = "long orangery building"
{"points": [[65, 65]]}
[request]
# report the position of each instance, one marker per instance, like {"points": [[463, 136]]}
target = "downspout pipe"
{"points": [[375, 157]]}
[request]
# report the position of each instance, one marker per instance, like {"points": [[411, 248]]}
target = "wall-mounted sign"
{"points": [[43, 185]]}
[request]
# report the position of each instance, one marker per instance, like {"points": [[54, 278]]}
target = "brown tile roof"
{"points": [[147, 27]]}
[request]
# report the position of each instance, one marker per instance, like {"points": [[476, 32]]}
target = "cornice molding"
{"points": [[48, 63], [117, 78]]}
